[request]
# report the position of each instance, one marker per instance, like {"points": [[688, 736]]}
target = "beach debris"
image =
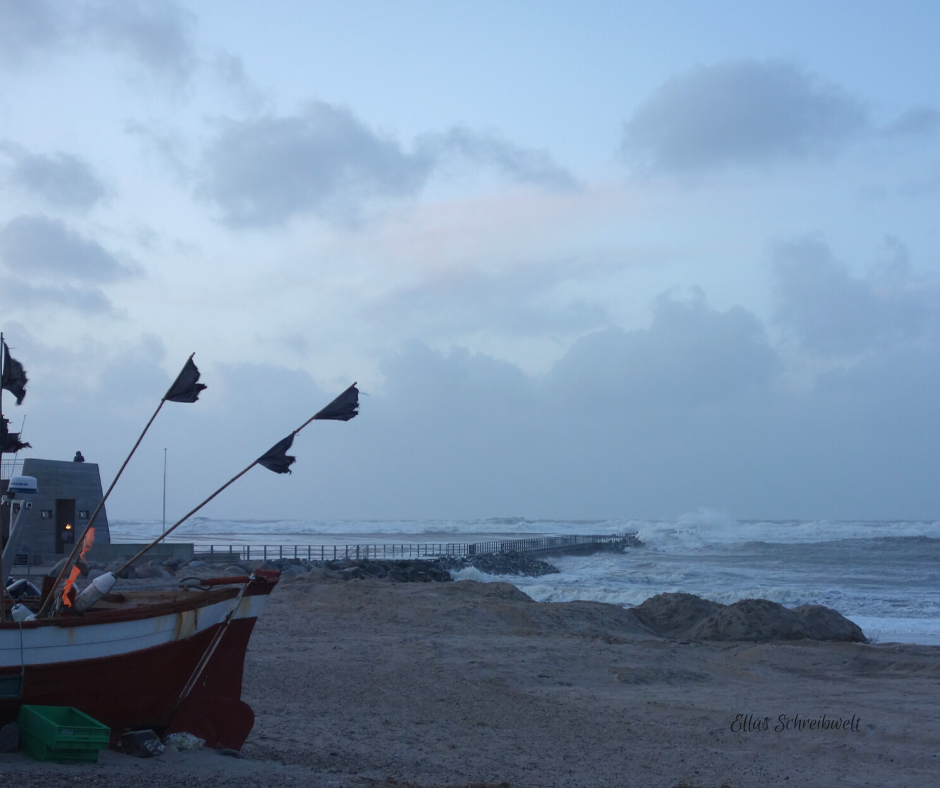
{"points": [[141, 744], [10, 737], [184, 741]]}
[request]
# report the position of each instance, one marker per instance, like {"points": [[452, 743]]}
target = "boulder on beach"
{"points": [[690, 617], [670, 615]]}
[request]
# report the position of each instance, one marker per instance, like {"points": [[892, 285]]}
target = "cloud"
{"points": [[830, 311], [155, 35], [38, 245], [264, 171], [916, 121], [690, 355], [21, 296], [521, 164], [692, 411], [61, 179], [741, 113], [27, 29], [525, 301]]}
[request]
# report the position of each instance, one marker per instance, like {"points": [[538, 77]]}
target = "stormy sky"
{"points": [[622, 260]]}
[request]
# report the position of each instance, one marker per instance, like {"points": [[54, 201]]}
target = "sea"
{"points": [[883, 575]]}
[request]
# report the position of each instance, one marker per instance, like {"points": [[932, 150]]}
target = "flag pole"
{"points": [[185, 517], [91, 521]]}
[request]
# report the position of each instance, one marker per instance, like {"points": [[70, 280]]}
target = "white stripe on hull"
{"points": [[54, 644]]}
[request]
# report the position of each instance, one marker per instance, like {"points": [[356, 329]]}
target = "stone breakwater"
{"points": [[398, 570]]}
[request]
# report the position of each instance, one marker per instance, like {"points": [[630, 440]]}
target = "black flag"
{"points": [[14, 376], [10, 442], [343, 408], [186, 388], [276, 458]]}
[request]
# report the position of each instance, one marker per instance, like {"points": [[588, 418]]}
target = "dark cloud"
{"points": [[21, 296], [741, 112], [831, 311], [61, 179], [916, 121], [325, 161], [40, 246]]}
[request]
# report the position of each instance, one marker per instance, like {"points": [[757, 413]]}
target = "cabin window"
{"points": [[46, 514], [83, 514]]}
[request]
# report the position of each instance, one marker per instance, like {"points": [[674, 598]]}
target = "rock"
{"points": [[229, 753], [824, 623], [173, 564], [670, 615], [147, 572], [294, 571], [688, 617], [510, 563], [94, 573], [234, 570], [197, 564], [127, 574], [750, 620], [10, 737], [141, 744]]}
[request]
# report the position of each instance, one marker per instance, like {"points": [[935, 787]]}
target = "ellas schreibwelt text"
{"points": [[748, 723]]}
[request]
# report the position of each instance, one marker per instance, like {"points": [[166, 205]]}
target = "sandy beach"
{"points": [[375, 683]]}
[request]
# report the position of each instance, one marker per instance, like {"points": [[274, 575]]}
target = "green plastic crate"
{"points": [[62, 728], [40, 752]]}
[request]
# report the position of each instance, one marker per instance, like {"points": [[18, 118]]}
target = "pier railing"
{"points": [[544, 545], [10, 468]]}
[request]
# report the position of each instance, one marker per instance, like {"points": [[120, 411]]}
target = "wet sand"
{"points": [[371, 683]]}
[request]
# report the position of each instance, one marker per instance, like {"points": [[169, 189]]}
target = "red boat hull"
{"points": [[143, 688]]}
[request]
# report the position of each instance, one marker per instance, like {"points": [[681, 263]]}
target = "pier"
{"points": [[543, 545]]}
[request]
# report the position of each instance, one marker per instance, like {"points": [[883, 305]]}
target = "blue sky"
{"points": [[647, 258]]}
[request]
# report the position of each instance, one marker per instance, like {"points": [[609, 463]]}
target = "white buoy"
{"points": [[96, 589], [21, 612]]}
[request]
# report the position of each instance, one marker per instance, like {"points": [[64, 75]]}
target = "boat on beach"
{"points": [[166, 658]]}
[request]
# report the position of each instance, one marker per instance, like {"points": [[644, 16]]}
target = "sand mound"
{"points": [[753, 620]]}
